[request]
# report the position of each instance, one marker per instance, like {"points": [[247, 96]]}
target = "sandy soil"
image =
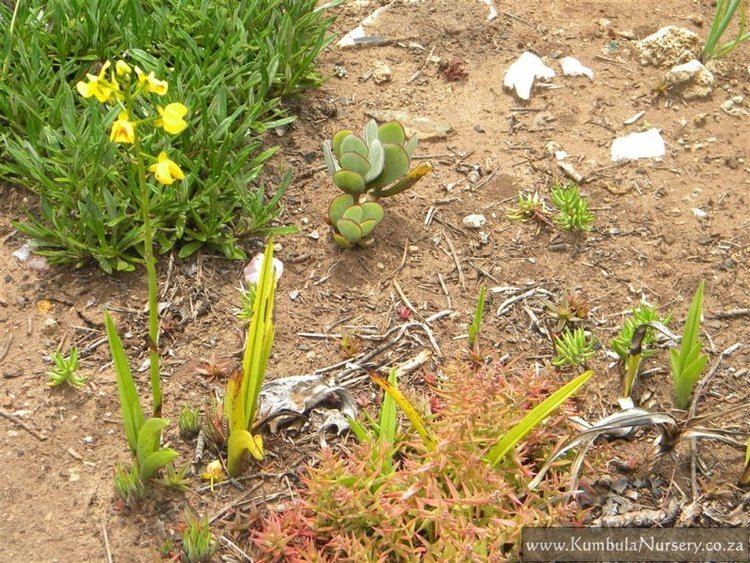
{"points": [[56, 499]]}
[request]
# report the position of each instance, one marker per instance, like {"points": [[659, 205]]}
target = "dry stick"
{"points": [[445, 291], [406, 299], [228, 543], [106, 542], [731, 314], [7, 347], [426, 62], [461, 276], [38, 435]]}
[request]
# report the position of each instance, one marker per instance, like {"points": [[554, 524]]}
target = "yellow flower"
{"points": [[172, 118], [122, 68], [166, 171], [150, 83], [123, 130], [214, 473], [96, 86]]}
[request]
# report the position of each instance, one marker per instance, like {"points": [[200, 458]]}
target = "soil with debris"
{"points": [[661, 226]]}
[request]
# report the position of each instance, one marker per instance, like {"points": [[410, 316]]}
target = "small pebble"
{"points": [[474, 221]]}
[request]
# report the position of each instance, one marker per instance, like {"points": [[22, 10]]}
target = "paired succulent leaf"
{"points": [[353, 222]]}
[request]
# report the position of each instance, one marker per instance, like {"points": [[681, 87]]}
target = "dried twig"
{"points": [[461, 276], [38, 435], [105, 537]]}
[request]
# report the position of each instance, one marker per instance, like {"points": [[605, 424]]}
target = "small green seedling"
{"points": [[476, 324], [367, 168], [725, 11], [688, 362], [65, 370], [175, 478], [128, 485], [189, 422], [198, 544], [528, 207], [572, 349], [644, 314], [573, 209]]}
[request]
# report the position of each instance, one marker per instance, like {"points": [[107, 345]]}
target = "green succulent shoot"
{"points": [[367, 168]]}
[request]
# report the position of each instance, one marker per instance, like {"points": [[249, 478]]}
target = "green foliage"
{"points": [[641, 315], [65, 370], [189, 422], [175, 478], [725, 11], [476, 322], [128, 485], [533, 418], [143, 436], [247, 300], [573, 209], [367, 168], [528, 207], [572, 349], [439, 504], [243, 388], [231, 63], [198, 544], [687, 364]]}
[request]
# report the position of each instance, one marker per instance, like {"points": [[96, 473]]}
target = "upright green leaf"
{"points": [[476, 323], [533, 418], [130, 406], [689, 362]]}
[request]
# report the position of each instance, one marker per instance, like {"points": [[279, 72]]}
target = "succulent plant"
{"points": [[368, 168]]}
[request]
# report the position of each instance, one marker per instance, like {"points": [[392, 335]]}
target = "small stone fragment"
{"points": [[474, 221], [382, 73], [690, 80], [669, 46], [648, 144], [573, 67], [424, 127]]}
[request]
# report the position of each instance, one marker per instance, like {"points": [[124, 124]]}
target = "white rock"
{"points": [[359, 33], [669, 46], [521, 74], [573, 67], [648, 144], [691, 80], [699, 213], [493, 11], [252, 270], [475, 221]]}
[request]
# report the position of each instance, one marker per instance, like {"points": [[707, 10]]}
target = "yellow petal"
{"points": [[83, 89], [122, 68], [175, 170], [162, 173]]}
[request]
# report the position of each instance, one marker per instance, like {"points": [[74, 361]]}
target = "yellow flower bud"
{"points": [[166, 171], [172, 118], [122, 68], [150, 83], [123, 130], [214, 473]]}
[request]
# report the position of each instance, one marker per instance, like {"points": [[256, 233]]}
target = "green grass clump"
{"points": [[198, 544], [231, 63], [573, 209], [572, 349], [65, 370]]}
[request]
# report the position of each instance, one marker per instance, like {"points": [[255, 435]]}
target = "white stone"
{"points": [[691, 80], [521, 75], [382, 73], [699, 213], [493, 11], [573, 67], [648, 144], [474, 221]]}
